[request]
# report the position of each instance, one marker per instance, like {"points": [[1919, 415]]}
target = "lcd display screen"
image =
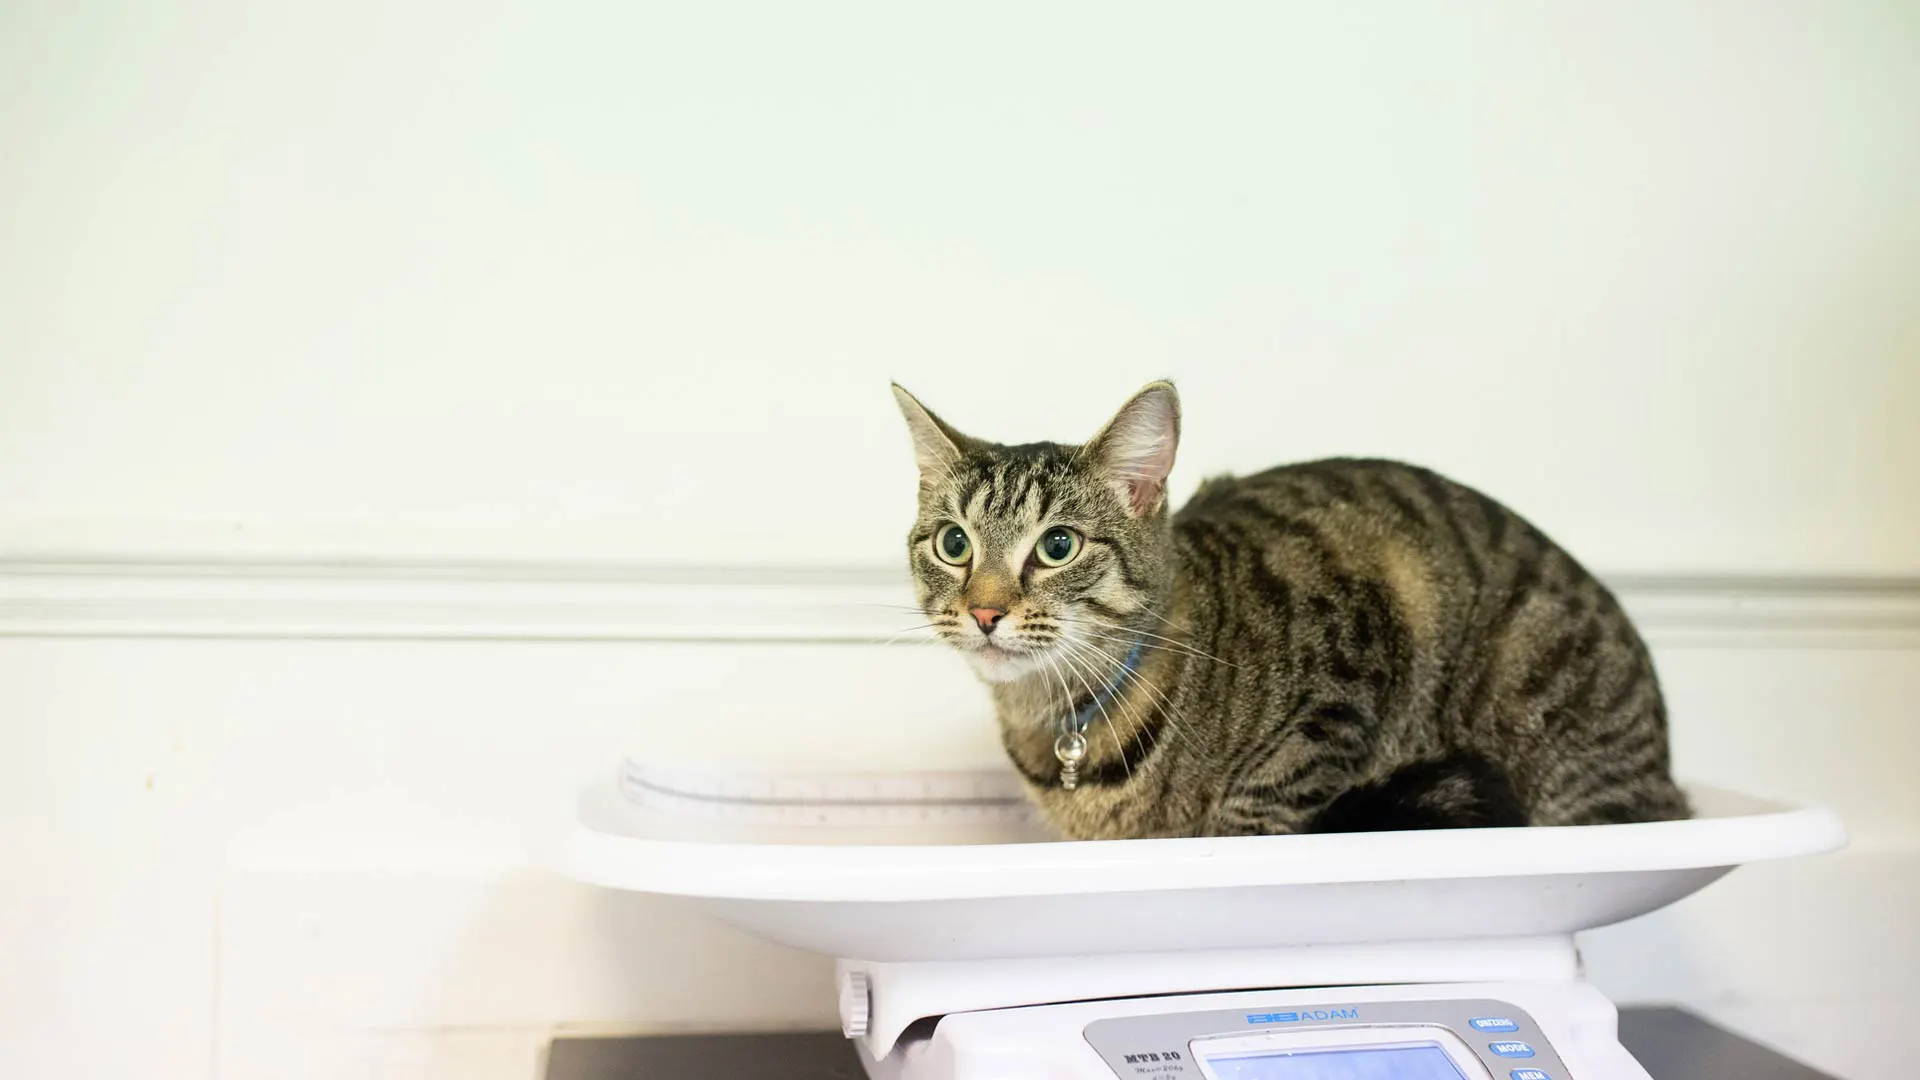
{"points": [[1423, 1061]]}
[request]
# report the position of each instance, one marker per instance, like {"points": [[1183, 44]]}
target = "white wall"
{"points": [[394, 288], [517, 279]]}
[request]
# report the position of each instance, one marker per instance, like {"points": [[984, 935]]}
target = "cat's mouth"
{"points": [[1003, 661], [1007, 645], [998, 650]]}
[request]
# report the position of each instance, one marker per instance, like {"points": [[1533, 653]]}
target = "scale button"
{"points": [[1493, 1023], [1530, 1074], [1511, 1049]]}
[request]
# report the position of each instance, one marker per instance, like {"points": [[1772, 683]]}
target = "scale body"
{"points": [[1461, 1031], [970, 946]]}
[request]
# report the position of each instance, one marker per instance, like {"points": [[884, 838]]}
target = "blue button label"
{"points": [[1493, 1023], [1511, 1049], [1530, 1074]]}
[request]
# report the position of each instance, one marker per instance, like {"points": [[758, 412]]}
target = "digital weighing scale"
{"points": [[971, 947]]}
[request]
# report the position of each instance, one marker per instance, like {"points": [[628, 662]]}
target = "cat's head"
{"points": [[1026, 557]]}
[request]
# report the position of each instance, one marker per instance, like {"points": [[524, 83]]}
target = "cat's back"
{"points": [[1385, 541], [1427, 610], [1339, 510]]}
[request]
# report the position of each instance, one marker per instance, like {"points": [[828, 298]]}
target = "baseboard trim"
{"points": [[566, 601]]}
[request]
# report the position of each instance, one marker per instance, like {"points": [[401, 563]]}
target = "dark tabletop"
{"points": [[1673, 1044]]}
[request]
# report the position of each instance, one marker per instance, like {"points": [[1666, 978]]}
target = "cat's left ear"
{"points": [[1136, 447], [936, 446]]}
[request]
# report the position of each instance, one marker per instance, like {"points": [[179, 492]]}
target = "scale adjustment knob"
{"points": [[856, 1004]]}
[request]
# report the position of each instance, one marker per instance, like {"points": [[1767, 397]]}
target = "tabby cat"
{"points": [[1342, 645]]}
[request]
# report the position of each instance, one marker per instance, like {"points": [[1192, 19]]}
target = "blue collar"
{"points": [[1099, 701]]}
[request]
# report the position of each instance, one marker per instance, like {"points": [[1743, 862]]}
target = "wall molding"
{"points": [[47, 596]]}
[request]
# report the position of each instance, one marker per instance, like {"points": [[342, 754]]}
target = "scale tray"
{"points": [[954, 866]]}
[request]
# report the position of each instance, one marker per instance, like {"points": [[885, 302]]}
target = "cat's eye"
{"points": [[952, 545], [1057, 546]]}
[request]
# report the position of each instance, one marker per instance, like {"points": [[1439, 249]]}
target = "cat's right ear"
{"points": [[935, 445], [1136, 447]]}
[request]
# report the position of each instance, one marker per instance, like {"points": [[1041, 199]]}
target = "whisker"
{"points": [[1054, 668], [1120, 702], [1129, 629], [1148, 608], [1082, 651], [909, 630], [1174, 717], [1147, 634], [1118, 640], [1171, 642], [1176, 650], [1098, 704]]}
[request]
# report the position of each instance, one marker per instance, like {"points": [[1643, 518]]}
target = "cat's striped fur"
{"points": [[1339, 645]]}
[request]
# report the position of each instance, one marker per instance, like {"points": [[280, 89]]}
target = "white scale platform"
{"points": [[941, 897]]}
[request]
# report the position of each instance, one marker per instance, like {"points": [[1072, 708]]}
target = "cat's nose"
{"points": [[987, 617]]}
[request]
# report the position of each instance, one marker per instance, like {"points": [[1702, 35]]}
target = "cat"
{"points": [[1335, 646]]}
